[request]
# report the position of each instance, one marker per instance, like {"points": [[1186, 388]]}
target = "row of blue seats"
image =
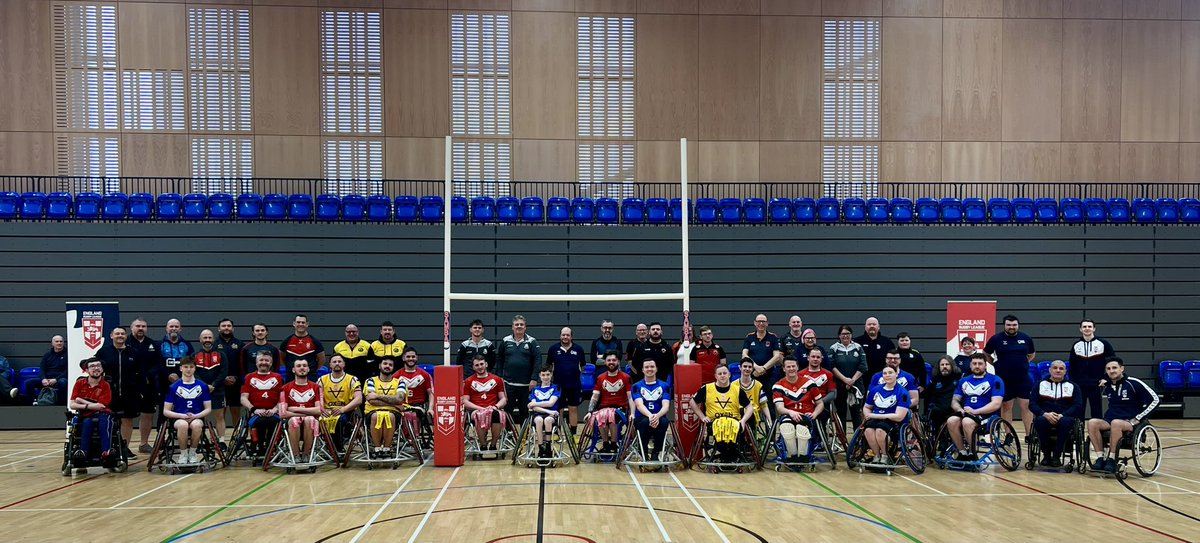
{"points": [[1174, 375], [329, 207]]}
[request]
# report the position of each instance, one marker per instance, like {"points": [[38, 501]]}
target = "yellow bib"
{"points": [[338, 394], [718, 404]]}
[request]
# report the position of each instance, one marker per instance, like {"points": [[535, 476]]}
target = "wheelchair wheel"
{"points": [[1032, 449], [856, 451], [1006, 446], [942, 446], [913, 449], [1147, 452]]}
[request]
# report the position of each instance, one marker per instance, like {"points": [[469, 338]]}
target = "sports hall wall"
{"points": [[971, 90], [1137, 282]]}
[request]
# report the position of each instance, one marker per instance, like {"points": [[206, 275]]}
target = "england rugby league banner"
{"points": [[976, 319], [88, 325]]}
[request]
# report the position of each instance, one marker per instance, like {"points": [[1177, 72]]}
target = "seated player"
{"points": [[611, 393], [91, 398], [939, 395], [543, 407], [382, 401], [976, 397], [884, 408], [300, 405], [418, 382], [651, 403], [1056, 404], [906, 380], [799, 402], [484, 400], [755, 391], [260, 397], [1130, 401], [342, 395], [725, 409], [815, 374], [187, 403]]}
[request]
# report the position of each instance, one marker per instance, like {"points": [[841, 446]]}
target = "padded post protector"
{"points": [[687, 383], [447, 409]]}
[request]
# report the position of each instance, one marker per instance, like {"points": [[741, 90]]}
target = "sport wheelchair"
{"points": [[640, 455], [821, 449], [562, 445], [505, 445], [406, 446], [715, 454], [114, 462], [999, 444], [906, 448], [1142, 446], [280, 453], [590, 444], [166, 456], [1073, 451], [250, 438]]}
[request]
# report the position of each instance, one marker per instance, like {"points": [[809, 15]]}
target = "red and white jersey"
{"points": [[795, 396], [821, 379], [306, 395], [483, 391], [263, 390], [613, 389], [418, 383]]}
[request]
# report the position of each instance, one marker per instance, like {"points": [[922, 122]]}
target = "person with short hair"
{"points": [[301, 345], [641, 334], [212, 368], [567, 359], [606, 342], [911, 360], [1014, 350], [654, 348], [755, 391], [1056, 403], [1130, 401], [612, 393], [793, 341], [808, 342], [484, 399], [906, 380], [884, 408], [725, 409], [518, 358], [260, 396], [355, 353], [966, 348], [1089, 355], [765, 349], [416, 381], [544, 408], [187, 402], [342, 395], [248, 356], [708, 354], [476, 344], [976, 397], [388, 345], [651, 403], [54, 372], [229, 346], [799, 401], [875, 345], [146, 353], [300, 404], [848, 362], [122, 369], [383, 396], [91, 398]]}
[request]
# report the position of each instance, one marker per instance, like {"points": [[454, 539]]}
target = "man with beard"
{"points": [[1014, 351], [387, 346], [301, 345], [212, 369], [484, 399], [418, 382], [382, 397], [657, 350], [146, 353], [300, 404], [641, 333], [476, 344], [248, 356], [611, 394], [354, 352], [793, 342], [977, 397], [124, 373], [606, 342], [875, 345], [229, 347], [1130, 401], [260, 397], [343, 395], [939, 395]]}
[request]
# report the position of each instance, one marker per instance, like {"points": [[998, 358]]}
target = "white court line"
{"points": [[238, 506], [432, 507], [1173, 486], [653, 513], [164, 485], [698, 508], [19, 452], [1182, 439], [919, 483], [1160, 472], [30, 458], [362, 531]]}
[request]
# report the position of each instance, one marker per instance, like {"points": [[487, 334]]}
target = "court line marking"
{"points": [[1173, 486], [57, 451], [173, 481], [385, 505], [19, 452], [214, 506], [227, 506], [653, 513], [1161, 472], [1182, 439], [861, 508], [698, 508], [919, 483], [432, 506]]}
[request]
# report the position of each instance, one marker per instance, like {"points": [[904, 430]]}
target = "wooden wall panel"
{"points": [[27, 153], [971, 75], [1091, 162], [729, 7], [416, 73], [918, 161], [668, 6], [667, 66], [912, 8], [542, 5], [1149, 162], [287, 156], [970, 161], [729, 78], [1092, 9], [483, 5], [414, 158], [728, 161], [1150, 81], [27, 84], [286, 70], [415, 4], [606, 6], [1032, 77], [972, 8], [852, 8], [1191, 9], [1033, 8], [791, 7], [1152, 9], [1030, 161], [1189, 162], [155, 155], [543, 160], [659, 161], [1091, 81], [789, 161], [543, 75], [790, 100], [152, 36], [911, 96], [1189, 106]]}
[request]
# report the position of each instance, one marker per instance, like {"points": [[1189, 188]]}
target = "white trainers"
{"points": [[13, 393]]}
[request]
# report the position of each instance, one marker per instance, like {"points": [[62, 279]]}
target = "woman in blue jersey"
{"points": [[885, 408], [544, 408], [652, 401]]}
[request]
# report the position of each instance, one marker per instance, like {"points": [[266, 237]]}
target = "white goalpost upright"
{"points": [[448, 295]]}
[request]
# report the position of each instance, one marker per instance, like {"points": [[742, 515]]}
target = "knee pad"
{"points": [[802, 432], [788, 431], [725, 429]]}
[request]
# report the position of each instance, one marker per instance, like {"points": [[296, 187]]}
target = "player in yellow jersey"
{"points": [[726, 410], [343, 397], [759, 403], [383, 395]]}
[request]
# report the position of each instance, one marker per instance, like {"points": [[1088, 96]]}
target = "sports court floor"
{"points": [[487, 501]]}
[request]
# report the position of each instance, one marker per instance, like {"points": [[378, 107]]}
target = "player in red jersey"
{"points": [[800, 399], [484, 400], [418, 382], [260, 397], [612, 393], [300, 404]]}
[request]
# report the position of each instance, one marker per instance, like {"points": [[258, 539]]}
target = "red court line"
{"points": [[68, 485], [1094, 510]]}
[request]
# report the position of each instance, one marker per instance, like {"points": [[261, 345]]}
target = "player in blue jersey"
{"points": [[1130, 401], [977, 397], [544, 408], [188, 401], [1014, 351], [904, 379], [652, 402], [885, 407]]}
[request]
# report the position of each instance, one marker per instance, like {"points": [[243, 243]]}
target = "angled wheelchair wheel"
{"points": [[1006, 445], [1147, 452], [856, 451], [913, 449]]}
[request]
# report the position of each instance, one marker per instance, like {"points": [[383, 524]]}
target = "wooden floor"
{"points": [[493, 501]]}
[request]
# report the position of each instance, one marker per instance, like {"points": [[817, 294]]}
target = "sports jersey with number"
{"points": [[822, 379], [483, 391], [418, 383], [612, 389], [885, 402], [297, 395], [262, 390], [382, 388], [652, 395], [338, 392], [541, 394], [795, 396], [977, 392], [188, 398]]}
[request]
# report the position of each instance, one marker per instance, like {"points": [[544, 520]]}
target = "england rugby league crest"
{"points": [[93, 332]]}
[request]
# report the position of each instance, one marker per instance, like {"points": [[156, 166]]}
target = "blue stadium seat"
{"points": [[300, 207], [458, 209], [249, 206], [195, 207], [220, 206], [33, 205], [533, 210], [10, 204], [677, 210], [928, 374], [878, 210], [87, 205], [1034, 374], [1000, 210], [558, 210], [1192, 369], [508, 209], [1043, 369], [274, 207], [587, 378], [854, 210], [1189, 210], [1071, 210], [1119, 210], [781, 210], [354, 209], [707, 211], [114, 206], [1047, 210], [1023, 210], [168, 206], [952, 211], [433, 209], [975, 210], [407, 208], [329, 207], [583, 210], [1096, 210], [928, 211], [141, 206], [379, 208], [827, 210], [483, 209], [31, 373], [658, 211], [1171, 375], [633, 211], [1168, 210], [58, 205], [608, 210], [804, 210], [754, 211], [902, 210], [1144, 211], [731, 210]]}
